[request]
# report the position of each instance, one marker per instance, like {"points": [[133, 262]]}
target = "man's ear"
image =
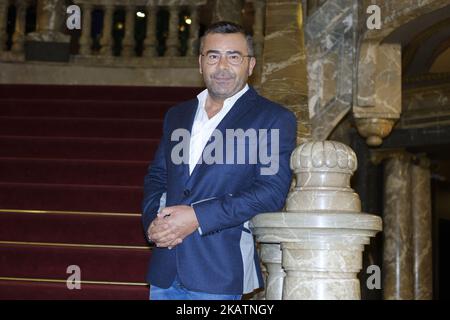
{"points": [[251, 66], [200, 63]]}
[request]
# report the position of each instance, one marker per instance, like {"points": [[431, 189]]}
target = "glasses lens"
{"points": [[212, 58], [234, 58]]}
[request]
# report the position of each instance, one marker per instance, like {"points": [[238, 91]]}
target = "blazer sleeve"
{"points": [[155, 183], [267, 192]]}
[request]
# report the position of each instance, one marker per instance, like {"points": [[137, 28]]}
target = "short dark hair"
{"points": [[229, 27]]}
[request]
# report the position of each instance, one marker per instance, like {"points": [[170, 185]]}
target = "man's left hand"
{"points": [[174, 223]]}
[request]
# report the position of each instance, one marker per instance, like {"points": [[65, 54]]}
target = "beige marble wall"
{"points": [[398, 279], [228, 10], [422, 241], [330, 35], [284, 76]]}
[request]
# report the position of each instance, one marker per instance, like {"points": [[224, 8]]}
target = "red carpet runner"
{"points": [[72, 162]]}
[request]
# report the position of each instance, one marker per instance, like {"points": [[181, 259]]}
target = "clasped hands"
{"points": [[172, 225]]}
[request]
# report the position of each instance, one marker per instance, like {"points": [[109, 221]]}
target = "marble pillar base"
{"points": [[321, 252]]}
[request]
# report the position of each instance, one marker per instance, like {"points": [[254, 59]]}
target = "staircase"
{"points": [[72, 163]]}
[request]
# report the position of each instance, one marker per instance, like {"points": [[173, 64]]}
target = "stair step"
{"points": [[33, 290], [81, 228], [84, 108], [96, 264], [66, 171], [77, 156], [70, 197], [70, 92], [80, 127], [78, 148]]}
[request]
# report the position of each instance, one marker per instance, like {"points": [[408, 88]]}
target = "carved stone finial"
{"points": [[323, 156], [323, 170]]}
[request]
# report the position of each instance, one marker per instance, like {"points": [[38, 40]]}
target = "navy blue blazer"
{"points": [[222, 258]]}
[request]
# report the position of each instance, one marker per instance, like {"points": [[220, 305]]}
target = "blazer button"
{"points": [[187, 192]]}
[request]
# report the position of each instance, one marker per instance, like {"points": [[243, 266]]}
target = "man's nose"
{"points": [[223, 62]]}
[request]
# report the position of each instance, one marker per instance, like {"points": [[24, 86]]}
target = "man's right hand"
{"points": [[158, 230]]}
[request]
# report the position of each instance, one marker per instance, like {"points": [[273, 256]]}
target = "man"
{"points": [[197, 212]]}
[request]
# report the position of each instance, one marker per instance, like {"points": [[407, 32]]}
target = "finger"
{"points": [[165, 244], [158, 236], [159, 228], [175, 243], [168, 239]]}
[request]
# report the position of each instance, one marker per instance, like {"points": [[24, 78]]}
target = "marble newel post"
{"points": [[323, 232]]}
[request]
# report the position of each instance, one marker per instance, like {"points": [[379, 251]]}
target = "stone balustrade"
{"points": [[145, 8], [50, 21]]}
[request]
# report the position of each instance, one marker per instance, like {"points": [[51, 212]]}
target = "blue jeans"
{"points": [[178, 292]]}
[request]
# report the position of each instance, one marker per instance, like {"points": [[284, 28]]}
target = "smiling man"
{"points": [[198, 214]]}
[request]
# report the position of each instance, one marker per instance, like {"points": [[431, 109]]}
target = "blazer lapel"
{"points": [[240, 108], [186, 122]]}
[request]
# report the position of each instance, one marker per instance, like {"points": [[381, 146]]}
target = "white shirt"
{"points": [[203, 127]]}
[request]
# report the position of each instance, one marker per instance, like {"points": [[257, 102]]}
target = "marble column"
{"points": [[422, 241], [270, 256], [19, 32], [150, 42], [172, 42], [258, 27], [86, 39], [284, 75], [228, 10], [3, 21], [398, 280], [106, 41], [193, 41], [323, 232], [128, 43]]}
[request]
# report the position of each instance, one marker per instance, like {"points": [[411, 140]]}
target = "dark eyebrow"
{"points": [[229, 51], [212, 51]]}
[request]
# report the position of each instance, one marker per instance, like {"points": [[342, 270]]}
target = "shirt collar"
{"points": [[228, 101]]}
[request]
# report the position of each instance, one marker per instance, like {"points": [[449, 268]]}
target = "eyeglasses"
{"points": [[234, 58]]}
